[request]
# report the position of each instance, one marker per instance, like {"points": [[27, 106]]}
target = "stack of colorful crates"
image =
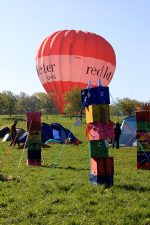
{"points": [[143, 139], [34, 138], [99, 129]]}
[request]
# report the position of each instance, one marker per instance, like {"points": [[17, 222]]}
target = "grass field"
{"points": [[59, 192]]}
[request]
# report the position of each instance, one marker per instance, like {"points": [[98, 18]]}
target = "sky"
{"points": [[125, 24]]}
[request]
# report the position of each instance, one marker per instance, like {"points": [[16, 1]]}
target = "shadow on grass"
{"points": [[64, 167], [12, 118], [130, 187]]}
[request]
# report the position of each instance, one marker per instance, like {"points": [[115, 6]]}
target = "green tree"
{"points": [[1, 103], [73, 101], [26, 103], [8, 102], [114, 110], [32, 103], [37, 102], [128, 106], [45, 103], [22, 99]]}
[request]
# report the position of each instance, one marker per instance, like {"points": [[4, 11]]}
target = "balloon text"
{"points": [[101, 72], [45, 69]]}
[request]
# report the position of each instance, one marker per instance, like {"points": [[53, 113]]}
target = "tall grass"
{"points": [[59, 192]]}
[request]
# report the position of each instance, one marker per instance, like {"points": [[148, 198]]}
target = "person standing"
{"points": [[13, 132], [117, 132]]}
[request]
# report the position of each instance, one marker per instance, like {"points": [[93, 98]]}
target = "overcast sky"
{"points": [[125, 24]]}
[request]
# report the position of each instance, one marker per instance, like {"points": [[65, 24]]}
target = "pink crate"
{"points": [[99, 131], [34, 116], [33, 162]]}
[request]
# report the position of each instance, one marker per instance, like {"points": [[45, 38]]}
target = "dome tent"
{"points": [[56, 131], [20, 132], [4, 131], [128, 132]]}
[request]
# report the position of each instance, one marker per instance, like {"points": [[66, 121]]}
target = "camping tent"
{"points": [[56, 131], [4, 131], [128, 132], [20, 132]]}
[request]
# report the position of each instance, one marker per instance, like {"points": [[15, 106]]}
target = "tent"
{"points": [[7, 136], [54, 132], [128, 132], [4, 131]]}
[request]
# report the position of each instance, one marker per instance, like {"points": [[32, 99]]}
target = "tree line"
{"points": [[22, 103]]}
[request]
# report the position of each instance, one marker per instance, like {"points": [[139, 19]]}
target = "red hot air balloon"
{"points": [[71, 58]]}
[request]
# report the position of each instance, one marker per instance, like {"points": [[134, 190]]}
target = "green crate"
{"points": [[143, 126], [97, 149], [34, 145]]}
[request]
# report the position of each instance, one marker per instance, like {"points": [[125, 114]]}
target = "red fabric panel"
{"points": [[74, 42]]}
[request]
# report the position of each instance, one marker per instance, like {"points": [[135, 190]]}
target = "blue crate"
{"points": [[107, 180], [95, 96], [143, 156], [34, 154]]}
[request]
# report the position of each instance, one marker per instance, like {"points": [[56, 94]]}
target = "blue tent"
{"points": [[4, 131], [56, 131], [128, 132]]}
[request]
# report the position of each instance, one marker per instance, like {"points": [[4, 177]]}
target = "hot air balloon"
{"points": [[71, 58]]}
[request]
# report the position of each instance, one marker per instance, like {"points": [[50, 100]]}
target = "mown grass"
{"points": [[59, 192]]}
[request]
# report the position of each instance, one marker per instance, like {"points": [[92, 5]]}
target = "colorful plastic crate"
{"points": [[34, 121], [102, 166], [143, 136], [97, 113], [34, 155], [34, 162], [95, 96], [143, 145], [143, 165], [106, 180], [97, 149], [143, 156], [34, 138], [143, 116], [99, 131], [143, 126]]}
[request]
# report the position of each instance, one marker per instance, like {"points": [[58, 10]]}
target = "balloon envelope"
{"points": [[69, 58]]}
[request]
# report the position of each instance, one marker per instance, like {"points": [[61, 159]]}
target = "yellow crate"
{"points": [[34, 135], [97, 113]]}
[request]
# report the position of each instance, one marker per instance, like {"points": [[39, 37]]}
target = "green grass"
{"points": [[59, 192]]}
